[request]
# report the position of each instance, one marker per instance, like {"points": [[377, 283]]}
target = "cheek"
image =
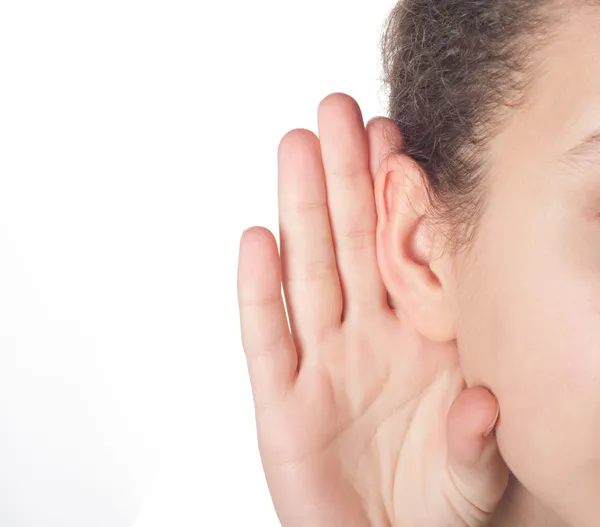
{"points": [[530, 331]]}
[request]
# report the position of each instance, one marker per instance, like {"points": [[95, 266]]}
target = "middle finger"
{"points": [[351, 202]]}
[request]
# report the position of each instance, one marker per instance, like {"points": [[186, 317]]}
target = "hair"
{"points": [[453, 69]]}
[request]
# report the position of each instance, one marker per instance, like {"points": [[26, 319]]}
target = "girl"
{"points": [[438, 257]]}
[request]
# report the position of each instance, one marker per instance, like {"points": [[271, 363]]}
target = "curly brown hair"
{"points": [[453, 69]]}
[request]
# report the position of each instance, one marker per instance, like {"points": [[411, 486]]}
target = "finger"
{"points": [[270, 352], [351, 202], [384, 138], [310, 276], [476, 467]]}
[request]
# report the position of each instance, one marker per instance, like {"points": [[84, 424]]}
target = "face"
{"points": [[528, 291]]}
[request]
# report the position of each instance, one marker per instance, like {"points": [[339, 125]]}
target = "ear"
{"points": [[408, 250]]}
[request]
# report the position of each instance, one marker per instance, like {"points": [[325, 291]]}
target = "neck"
{"points": [[519, 508]]}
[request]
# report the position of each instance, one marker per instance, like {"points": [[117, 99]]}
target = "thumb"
{"points": [[476, 467]]}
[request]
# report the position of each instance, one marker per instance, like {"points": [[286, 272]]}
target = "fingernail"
{"points": [[488, 431]]}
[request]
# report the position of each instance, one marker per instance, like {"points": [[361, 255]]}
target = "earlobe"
{"points": [[406, 245]]}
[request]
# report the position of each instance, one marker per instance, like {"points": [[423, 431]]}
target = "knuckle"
{"points": [[350, 172], [264, 346], [316, 271], [259, 302], [358, 240], [271, 346], [306, 208]]}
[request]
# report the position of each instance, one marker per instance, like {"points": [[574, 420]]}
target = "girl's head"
{"points": [[489, 230]]}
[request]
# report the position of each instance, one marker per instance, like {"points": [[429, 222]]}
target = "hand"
{"points": [[360, 422]]}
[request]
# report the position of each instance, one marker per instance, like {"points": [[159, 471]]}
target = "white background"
{"points": [[137, 140]]}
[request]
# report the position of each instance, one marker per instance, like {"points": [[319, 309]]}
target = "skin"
{"points": [[361, 420], [525, 297], [540, 239], [361, 404]]}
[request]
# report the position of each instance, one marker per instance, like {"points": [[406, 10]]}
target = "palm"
{"points": [[350, 405], [345, 430]]}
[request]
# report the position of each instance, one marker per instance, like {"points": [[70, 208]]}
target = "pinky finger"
{"points": [[268, 345]]}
